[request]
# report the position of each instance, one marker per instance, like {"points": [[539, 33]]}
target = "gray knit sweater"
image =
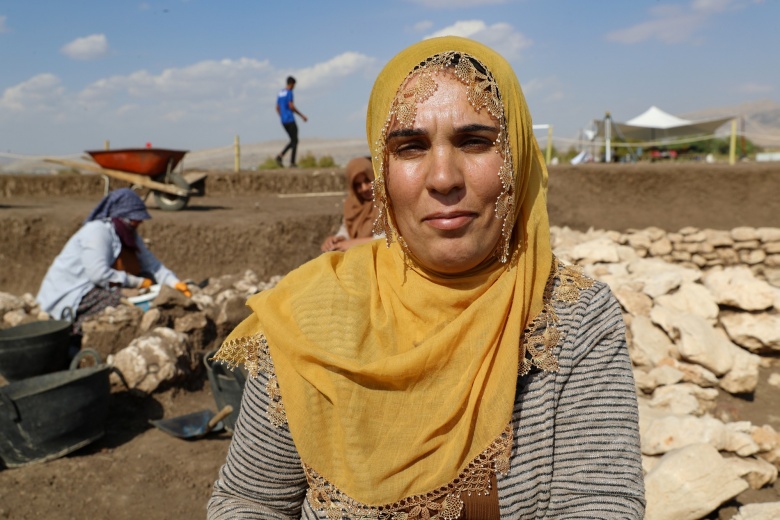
{"points": [[576, 436]]}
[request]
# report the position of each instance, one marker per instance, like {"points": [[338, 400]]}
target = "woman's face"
{"points": [[361, 185], [442, 180]]}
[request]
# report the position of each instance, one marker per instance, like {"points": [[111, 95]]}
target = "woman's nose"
{"points": [[444, 173]]}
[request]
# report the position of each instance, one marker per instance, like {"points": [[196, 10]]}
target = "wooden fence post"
{"points": [[733, 143], [548, 157], [237, 158]]}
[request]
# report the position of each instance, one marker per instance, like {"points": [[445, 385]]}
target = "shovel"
{"points": [[193, 425]]}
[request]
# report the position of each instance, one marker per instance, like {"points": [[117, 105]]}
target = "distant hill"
{"points": [[760, 120]]}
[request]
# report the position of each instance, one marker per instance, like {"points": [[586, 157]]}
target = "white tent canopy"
{"points": [[655, 124]]}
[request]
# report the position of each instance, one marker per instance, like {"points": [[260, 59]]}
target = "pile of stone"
{"points": [[165, 345], [755, 248], [702, 318]]}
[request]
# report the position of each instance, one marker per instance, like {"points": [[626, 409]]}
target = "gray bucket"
{"points": [[46, 417], [34, 348], [227, 386]]}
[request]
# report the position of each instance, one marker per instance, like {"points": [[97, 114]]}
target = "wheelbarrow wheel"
{"points": [[169, 201]]}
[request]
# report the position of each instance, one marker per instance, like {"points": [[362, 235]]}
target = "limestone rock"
{"points": [[150, 319], [662, 433], [696, 374], [756, 472], [743, 376], [660, 277], [9, 302], [719, 238], [682, 399], [692, 298], [152, 359], [744, 233], [737, 287], [699, 342], [649, 344], [594, 251], [17, 317], [634, 302], [112, 329], [689, 483], [764, 511], [768, 234], [660, 247], [759, 333]]}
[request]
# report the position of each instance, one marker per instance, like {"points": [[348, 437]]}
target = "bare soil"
{"points": [[136, 471]]}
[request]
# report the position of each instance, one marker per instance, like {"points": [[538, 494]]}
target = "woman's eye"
{"points": [[408, 149], [476, 143]]}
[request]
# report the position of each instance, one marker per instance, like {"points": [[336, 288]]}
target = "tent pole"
{"points": [[608, 137], [733, 143]]}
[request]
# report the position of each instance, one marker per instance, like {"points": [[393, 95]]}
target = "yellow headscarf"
{"points": [[394, 379]]}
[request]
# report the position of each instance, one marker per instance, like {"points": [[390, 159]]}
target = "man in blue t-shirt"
{"points": [[286, 110]]}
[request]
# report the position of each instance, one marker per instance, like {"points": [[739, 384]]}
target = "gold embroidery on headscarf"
{"points": [[444, 503], [542, 335], [482, 92], [252, 352]]}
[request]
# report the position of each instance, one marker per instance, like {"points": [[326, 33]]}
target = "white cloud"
{"points": [[336, 68], [547, 89], [673, 23], [87, 48], [755, 88], [3, 27], [39, 93], [667, 30], [454, 4], [423, 26], [714, 6], [500, 36], [191, 106]]}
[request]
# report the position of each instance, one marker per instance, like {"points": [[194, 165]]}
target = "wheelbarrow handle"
{"points": [[227, 410]]}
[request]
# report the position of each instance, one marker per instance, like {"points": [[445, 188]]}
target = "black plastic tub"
{"points": [[34, 348], [46, 417], [227, 386]]}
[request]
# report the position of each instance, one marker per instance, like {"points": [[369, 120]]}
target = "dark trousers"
{"points": [[292, 131]]}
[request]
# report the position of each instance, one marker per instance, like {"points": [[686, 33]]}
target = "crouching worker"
{"points": [[103, 256]]}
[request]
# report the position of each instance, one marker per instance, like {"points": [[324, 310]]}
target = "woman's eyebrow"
{"points": [[406, 132], [475, 128]]}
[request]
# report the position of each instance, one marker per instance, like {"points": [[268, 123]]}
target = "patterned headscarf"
{"points": [[121, 203]]}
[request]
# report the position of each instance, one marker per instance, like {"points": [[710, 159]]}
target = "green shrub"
{"points": [[326, 161], [269, 164], [307, 161]]}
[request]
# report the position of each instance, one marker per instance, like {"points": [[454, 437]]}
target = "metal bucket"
{"points": [[227, 386], [46, 417], [34, 348]]}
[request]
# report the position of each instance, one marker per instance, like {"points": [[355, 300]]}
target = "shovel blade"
{"points": [[188, 426]]}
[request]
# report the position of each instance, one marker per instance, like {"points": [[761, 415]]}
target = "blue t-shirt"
{"points": [[283, 100]]}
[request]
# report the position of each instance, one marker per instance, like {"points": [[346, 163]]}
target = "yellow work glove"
{"points": [[182, 288], [145, 283]]}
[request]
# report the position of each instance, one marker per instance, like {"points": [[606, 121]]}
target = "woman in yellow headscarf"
{"points": [[456, 370]]}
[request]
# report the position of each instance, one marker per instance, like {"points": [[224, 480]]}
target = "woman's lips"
{"points": [[449, 221]]}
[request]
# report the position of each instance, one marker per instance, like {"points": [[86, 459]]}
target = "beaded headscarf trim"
{"points": [[483, 93]]}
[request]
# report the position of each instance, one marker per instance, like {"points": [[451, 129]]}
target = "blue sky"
{"points": [[193, 74]]}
